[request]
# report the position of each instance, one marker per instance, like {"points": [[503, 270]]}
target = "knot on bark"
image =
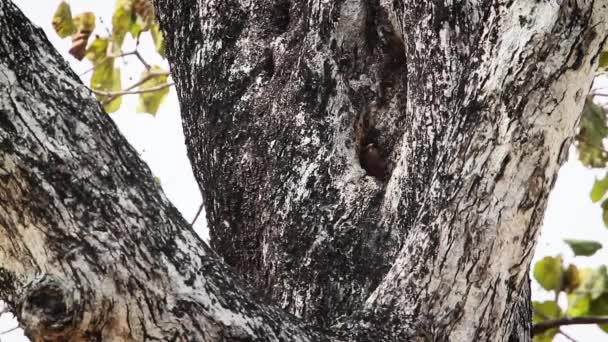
{"points": [[49, 309]]}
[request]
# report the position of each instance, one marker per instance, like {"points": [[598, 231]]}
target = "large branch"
{"points": [[471, 103], [507, 125], [90, 248]]}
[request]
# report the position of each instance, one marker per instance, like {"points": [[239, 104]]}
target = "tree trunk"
{"points": [[470, 106], [90, 248], [377, 168]]}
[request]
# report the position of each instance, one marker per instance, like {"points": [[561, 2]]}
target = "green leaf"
{"points": [[548, 272], [583, 247], [590, 137], [149, 102], [593, 290], [599, 281], [159, 41], [605, 212], [594, 282], [62, 20], [578, 305], [114, 105], [103, 75], [144, 10], [544, 311], [136, 29], [599, 189], [122, 20], [546, 336], [106, 78], [97, 50], [85, 24], [599, 307], [571, 279], [603, 63]]}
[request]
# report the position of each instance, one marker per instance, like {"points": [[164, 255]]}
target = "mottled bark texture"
{"points": [[90, 248], [471, 104]]}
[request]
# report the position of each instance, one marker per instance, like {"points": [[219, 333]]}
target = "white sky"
{"points": [[160, 142]]}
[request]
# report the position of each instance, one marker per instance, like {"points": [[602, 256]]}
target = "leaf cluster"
{"points": [[586, 289], [131, 17]]}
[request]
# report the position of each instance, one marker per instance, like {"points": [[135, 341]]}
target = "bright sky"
{"points": [[160, 142]]}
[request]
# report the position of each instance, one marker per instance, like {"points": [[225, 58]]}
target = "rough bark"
{"points": [[472, 104], [90, 248]]}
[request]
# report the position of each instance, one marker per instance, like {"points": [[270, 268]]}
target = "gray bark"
{"points": [[90, 248], [470, 105]]}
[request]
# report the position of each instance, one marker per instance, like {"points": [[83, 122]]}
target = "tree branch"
{"points": [[148, 77], [540, 328], [566, 336], [112, 95], [101, 262], [142, 60], [101, 61], [200, 209]]}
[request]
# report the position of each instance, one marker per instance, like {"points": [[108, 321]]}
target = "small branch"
{"points": [[128, 92], [541, 327], [150, 76], [566, 336], [200, 209], [112, 95], [141, 59], [101, 61], [136, 84], [147, 78], [9, 330], [105, 27]]}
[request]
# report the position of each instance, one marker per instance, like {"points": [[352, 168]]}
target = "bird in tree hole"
{"points": [[372, 161]]}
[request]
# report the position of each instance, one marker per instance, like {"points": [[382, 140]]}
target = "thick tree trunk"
{"points": [[90, 248], [469, 106]]}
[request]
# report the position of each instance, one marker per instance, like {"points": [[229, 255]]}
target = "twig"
{"points": [[145, 79], [141, 59], [9, 330], [105, 58], [112, 95], [541, 327], [568, 337], [200, 209]]}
